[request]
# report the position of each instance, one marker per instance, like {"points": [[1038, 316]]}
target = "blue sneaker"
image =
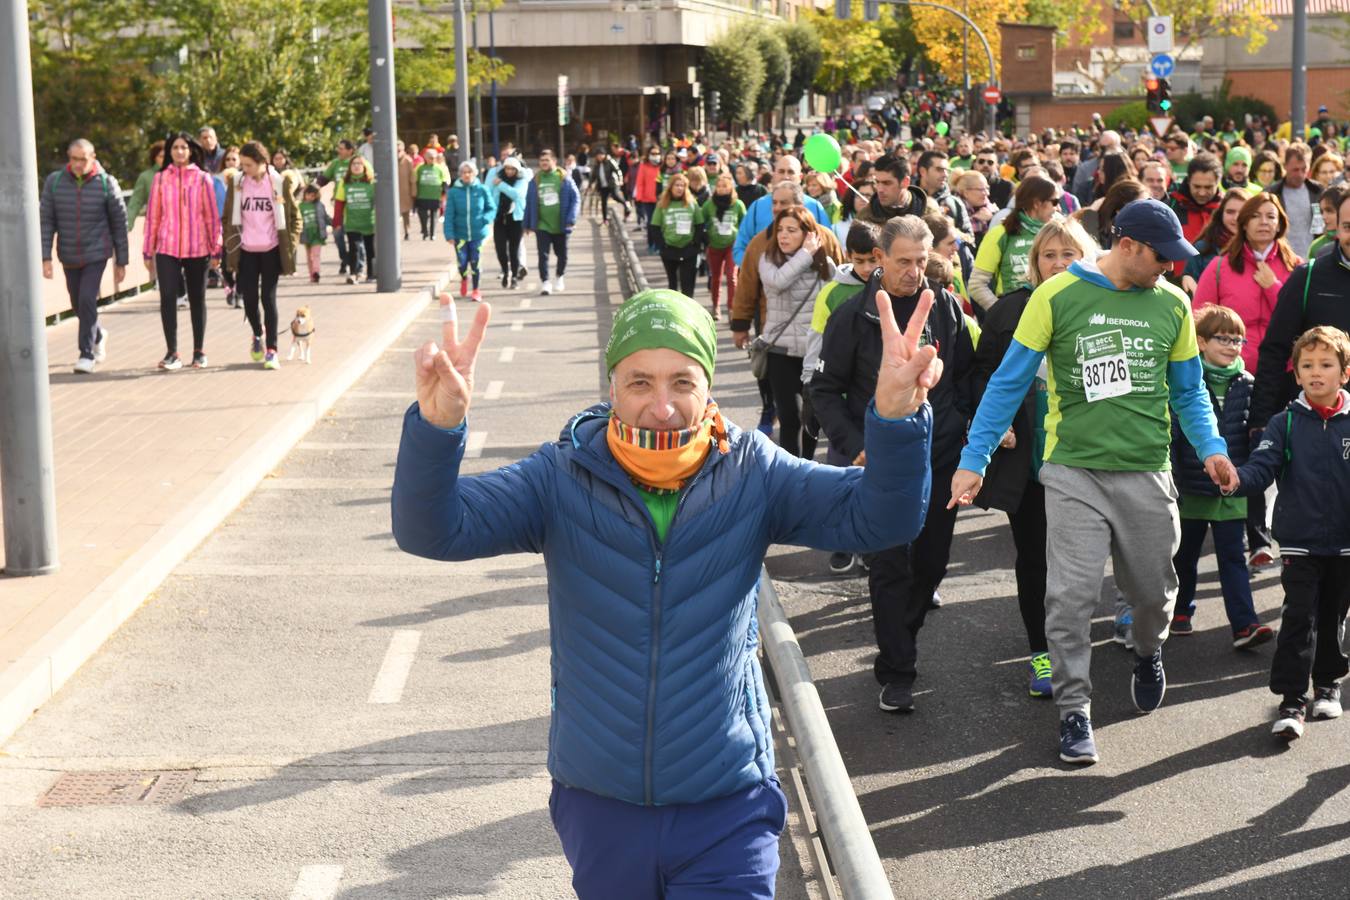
{"points": [[1149, 683], [1076, 745], [766, 418], [1040, 675], [1123, 632]]}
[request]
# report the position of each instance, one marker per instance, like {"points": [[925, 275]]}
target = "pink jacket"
{"points": [[1238, 291], [181, 217]]}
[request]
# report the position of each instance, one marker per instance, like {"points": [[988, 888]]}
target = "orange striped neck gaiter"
{"points": [[664, 460]]}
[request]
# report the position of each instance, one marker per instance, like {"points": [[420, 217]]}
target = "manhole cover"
{"points": [[117, 788]]}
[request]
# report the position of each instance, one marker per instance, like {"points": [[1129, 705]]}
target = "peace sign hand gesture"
{"points": [[908, 372], [445, 374]]}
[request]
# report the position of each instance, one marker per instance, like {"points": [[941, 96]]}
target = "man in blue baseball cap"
{"points": [[1119, 344]]}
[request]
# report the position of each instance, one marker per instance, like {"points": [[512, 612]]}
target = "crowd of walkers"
{"points": [[1122, 322]]}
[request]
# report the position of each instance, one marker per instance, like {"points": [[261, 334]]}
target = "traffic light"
{"points": [[714, 106], [1164, 96], [1152, 102]]}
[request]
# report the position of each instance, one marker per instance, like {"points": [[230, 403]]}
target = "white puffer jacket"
{"points": [[789, 293]]}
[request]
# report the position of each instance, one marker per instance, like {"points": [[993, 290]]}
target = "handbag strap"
{"points": [[773, 341]]}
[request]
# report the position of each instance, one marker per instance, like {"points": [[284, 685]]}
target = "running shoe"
{"points": [[463, 286], [1076, 745], [1327, 702], [84, 365], [1252, 635], [270, 361], [476, 295], [546, 288], [101, 345], [182, 302], [1040, 676], [935, 601], [558, 284], [1181, 625], [1260, 558], [1289, 724], [199, 360], [841, 563], [896, 698], [1148, 683], [255, 349], [1123, 632], [171, 362]]}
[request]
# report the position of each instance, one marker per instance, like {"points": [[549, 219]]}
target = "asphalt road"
{"points": [[361, 723], [967, 798]]}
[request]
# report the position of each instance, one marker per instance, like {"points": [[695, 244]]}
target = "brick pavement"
{"points": [[142, 456]]}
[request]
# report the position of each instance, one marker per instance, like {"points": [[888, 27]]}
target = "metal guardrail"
{"points": [[633, 279], [853, 855]]}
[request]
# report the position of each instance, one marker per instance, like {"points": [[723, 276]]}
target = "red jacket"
{"points": [[1194, 217]]}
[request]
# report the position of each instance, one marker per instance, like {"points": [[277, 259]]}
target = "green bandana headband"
{"points": [[663, 318]]}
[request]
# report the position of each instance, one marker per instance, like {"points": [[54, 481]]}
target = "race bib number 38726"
{"points": [[1105, 367]]}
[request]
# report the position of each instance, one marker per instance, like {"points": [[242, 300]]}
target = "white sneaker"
{"points": [[183, 303], [101, 346], [84, 366], [546, 288], [558, 285]]}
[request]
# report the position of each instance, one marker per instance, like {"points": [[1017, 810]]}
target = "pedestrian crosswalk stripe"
{"points": [[317, 883], [393, 674]]}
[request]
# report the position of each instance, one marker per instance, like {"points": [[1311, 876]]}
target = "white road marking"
{"points": [[494, 390], [526, 302], [507, 354], [398, 660], [325, 484], [317, 883], [473, 447], [518, 325]]}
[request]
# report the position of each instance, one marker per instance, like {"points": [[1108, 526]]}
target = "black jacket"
{"points": [[879, 215], [1188, 470], [1309, 459], [1328, 303], [1009, 468], [850, 354]]}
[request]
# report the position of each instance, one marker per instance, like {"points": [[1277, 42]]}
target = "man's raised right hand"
{"points": [[445, 373]]}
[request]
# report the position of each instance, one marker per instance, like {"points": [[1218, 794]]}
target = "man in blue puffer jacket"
{"points": [[653, 516]]}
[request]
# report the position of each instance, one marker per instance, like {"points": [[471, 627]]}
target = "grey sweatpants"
{"points": [[1090, 513]]}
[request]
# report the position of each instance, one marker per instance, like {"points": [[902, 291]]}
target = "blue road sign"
{"points": [[1163, 65]]}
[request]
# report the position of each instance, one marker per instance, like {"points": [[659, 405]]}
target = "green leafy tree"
{"points": [[803, 47], [854, 57], [291, 73], [733, 67], [772, 49]]}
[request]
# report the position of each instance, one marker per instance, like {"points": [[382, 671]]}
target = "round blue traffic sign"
{"points": [[1163, 65]]}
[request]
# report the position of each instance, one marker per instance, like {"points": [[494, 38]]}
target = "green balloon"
{"points": [[943, 128], [822, 153]]}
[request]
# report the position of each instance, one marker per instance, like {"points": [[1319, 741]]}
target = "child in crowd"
{"points": [[469, 210], [314, 228], [1307, 448], [1220, 334]]}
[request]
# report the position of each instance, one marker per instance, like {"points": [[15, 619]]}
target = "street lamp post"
{"points": [[388, 268], [27, 466], [462, 83], [1298, 94]]}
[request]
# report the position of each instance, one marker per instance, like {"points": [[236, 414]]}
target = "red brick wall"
{"points": [[1063, 112], [1326, 87]]}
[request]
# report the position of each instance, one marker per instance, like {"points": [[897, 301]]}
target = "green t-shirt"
{"points": [[358, 213], [661, 505], [677, 222], [1203, 506], [1115, 346], [1008, 256], [962, 162], [309, 217], [1318, 243], [336, 169], [430, 181], [722, 230], [550, 201]]}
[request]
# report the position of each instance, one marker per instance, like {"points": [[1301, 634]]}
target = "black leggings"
{"points": [[427, 210], [681, 268], [506, 238], [174, 275], [785, 380], [258, 274], [1028, 532]]}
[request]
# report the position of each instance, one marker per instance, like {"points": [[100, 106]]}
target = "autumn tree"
{"points": [[940, 34], [855, 56]]}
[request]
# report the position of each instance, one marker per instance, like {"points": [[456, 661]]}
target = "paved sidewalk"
{"points": [[149, 462], [353, 722]]}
